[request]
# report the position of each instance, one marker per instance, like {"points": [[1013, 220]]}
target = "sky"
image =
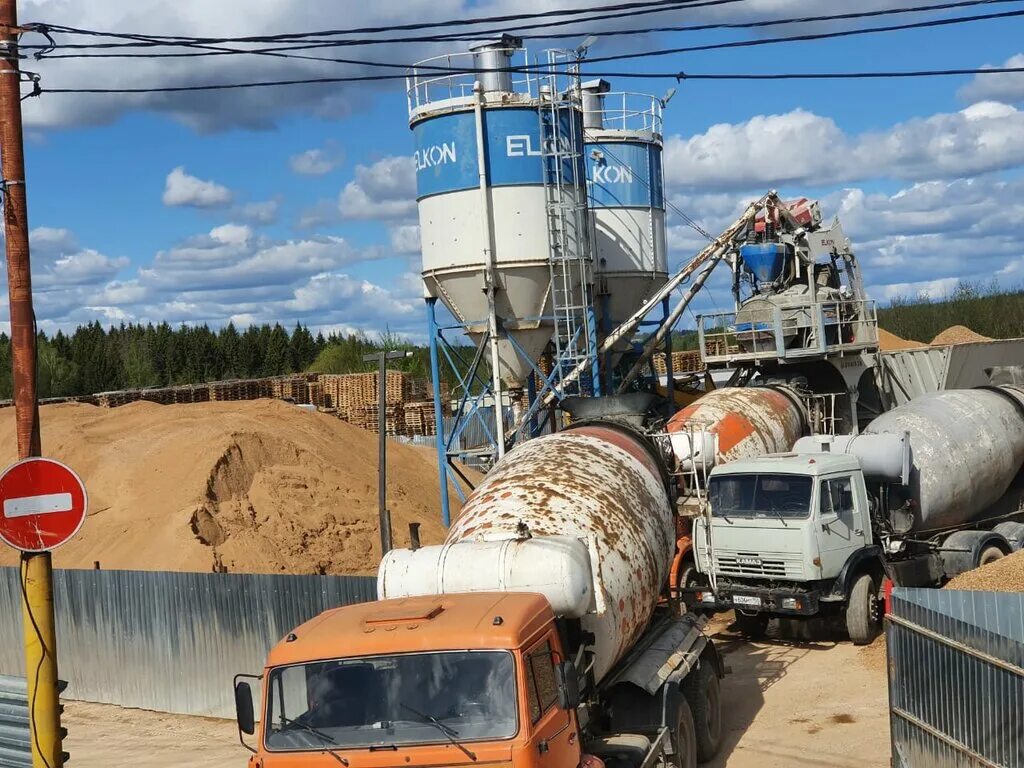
{"points": [[297, 204]]}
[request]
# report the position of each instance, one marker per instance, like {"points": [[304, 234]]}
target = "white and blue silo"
{"points": [[623, 147], [504, 231]]}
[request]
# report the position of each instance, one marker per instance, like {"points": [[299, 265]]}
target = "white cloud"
{"points": [[801, 147], [384, 190], [1007, 87], [405, 238], [261, 212], [316, 162], [183, 189]]}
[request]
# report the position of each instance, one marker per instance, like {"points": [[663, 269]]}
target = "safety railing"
{"points": [[428, 82], [15, 744], [788, 333], [627, 111]]}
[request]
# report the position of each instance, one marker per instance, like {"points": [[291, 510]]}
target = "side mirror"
{"points": [[568, 685], [244, 709]]}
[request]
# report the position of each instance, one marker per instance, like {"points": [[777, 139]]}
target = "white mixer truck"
{"points": [[931, 489], [537, 635]]}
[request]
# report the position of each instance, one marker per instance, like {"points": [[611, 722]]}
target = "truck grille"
{"points": [[752, 564]]}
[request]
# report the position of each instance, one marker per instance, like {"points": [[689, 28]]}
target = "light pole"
{"points": [[382, 442]]}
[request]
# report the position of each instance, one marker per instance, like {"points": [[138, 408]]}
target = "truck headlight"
{"points": [[706, 597], [792, 603]]}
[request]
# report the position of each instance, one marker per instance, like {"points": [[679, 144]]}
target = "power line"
{"points": [[541, 68], [628, 6], [811, 36], [288, 52], [680, 76]]}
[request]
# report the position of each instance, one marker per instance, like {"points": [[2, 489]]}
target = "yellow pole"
{"points": [[36, 569], [41, 660]]}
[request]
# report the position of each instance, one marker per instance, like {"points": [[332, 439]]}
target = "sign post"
{"points": [[36, 568]]}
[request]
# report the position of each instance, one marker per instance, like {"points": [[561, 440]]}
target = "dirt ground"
{"points": [[786, 703]]}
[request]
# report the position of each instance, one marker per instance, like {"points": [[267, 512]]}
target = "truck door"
{"points": [[554, 729], [840, 527]]}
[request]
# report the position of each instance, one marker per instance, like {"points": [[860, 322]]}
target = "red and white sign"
{"points": [[42, 505]]}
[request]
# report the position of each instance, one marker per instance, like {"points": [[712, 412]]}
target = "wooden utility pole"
{"points": [[36, 568]]}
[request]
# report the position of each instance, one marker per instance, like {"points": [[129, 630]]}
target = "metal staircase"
{"points": [[566, 212]]}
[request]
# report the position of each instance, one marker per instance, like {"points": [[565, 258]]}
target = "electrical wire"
{"points": [[466, 37], [541, 69], [678, 76], [142, 41], [628, 6], [811, 36]]}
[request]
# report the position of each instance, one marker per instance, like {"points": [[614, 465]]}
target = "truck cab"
{"points": [[789, 535], [437, 680]]}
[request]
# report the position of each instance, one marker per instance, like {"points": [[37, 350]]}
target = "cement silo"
{"points": [[623, 145], [496, 155], [504, 230]]}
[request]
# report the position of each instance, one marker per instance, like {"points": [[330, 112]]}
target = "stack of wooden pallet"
{"points": [[687, 361]]}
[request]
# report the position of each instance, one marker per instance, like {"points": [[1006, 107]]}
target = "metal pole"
{"points": [[36, 569], [382, 456], [490, 271], [439, 436]]}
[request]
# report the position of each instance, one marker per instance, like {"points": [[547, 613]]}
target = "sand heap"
{"points": [[258, 486], [958, 334], [890, 341], [1004, 575]]}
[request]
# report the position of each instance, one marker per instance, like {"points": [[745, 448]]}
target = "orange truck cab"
{"points": [[489, 678]]}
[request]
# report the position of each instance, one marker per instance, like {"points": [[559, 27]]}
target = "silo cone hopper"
{"points": [[522, 300]]}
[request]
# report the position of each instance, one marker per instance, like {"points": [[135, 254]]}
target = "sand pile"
{"points": [[1004, 575], [890, 341], [958, 334], [258, 486]]}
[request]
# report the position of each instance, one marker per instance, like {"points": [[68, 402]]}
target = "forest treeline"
{"points": [[97, 359]]}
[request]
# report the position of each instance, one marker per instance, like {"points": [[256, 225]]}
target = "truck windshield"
{"points": [[785, 496], [391, 700]]}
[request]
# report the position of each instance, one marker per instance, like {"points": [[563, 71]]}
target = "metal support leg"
{"points": [[439, 438]]}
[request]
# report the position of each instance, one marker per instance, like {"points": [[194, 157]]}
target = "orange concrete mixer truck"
{"points": [[538, 635]]}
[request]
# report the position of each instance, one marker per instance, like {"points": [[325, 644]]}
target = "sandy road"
{"points": [[787, 703]]}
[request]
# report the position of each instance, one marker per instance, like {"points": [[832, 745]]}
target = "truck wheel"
{"points": [[1013, 533], [703, 692], [754, 626], [685, 737], [989, 555], [862, 610]]}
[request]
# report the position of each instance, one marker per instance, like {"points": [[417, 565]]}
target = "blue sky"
{"points": [[297, 203]]}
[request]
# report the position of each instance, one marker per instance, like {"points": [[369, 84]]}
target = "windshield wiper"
{"points": [[320, 735], [450, 733], [778, 514]]}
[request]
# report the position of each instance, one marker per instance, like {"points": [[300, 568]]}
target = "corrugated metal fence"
{"points": [[15, 749], [170, 642], [956, 678]]}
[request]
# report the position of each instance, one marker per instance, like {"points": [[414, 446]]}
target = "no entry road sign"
{"points": [[42, 505]]}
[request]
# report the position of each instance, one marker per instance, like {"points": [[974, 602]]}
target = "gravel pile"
{"points": [[1004, 575], [890, 341], [958, 334]]}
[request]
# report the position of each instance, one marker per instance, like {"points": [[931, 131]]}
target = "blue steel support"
{"points": [[531, 397], [435, 373], [670, 374], [595, 361]]}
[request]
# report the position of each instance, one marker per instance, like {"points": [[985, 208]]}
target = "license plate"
{"points": [[746, 600]]}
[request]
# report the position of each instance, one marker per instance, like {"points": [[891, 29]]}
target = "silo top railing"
{"points": [[428, 82], [628, 111]]}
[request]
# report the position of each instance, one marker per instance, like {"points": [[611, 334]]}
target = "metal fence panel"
{"points": [[170, 642], [15, 747], [956, 678]]}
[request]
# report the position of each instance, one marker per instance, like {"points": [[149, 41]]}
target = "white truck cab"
{"points": [[787, 534]]}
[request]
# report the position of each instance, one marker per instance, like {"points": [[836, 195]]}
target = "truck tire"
{"points": [[703, 692], [862, 610], [1013, 533], [990, 554], [753, 626], [684, 737]]}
